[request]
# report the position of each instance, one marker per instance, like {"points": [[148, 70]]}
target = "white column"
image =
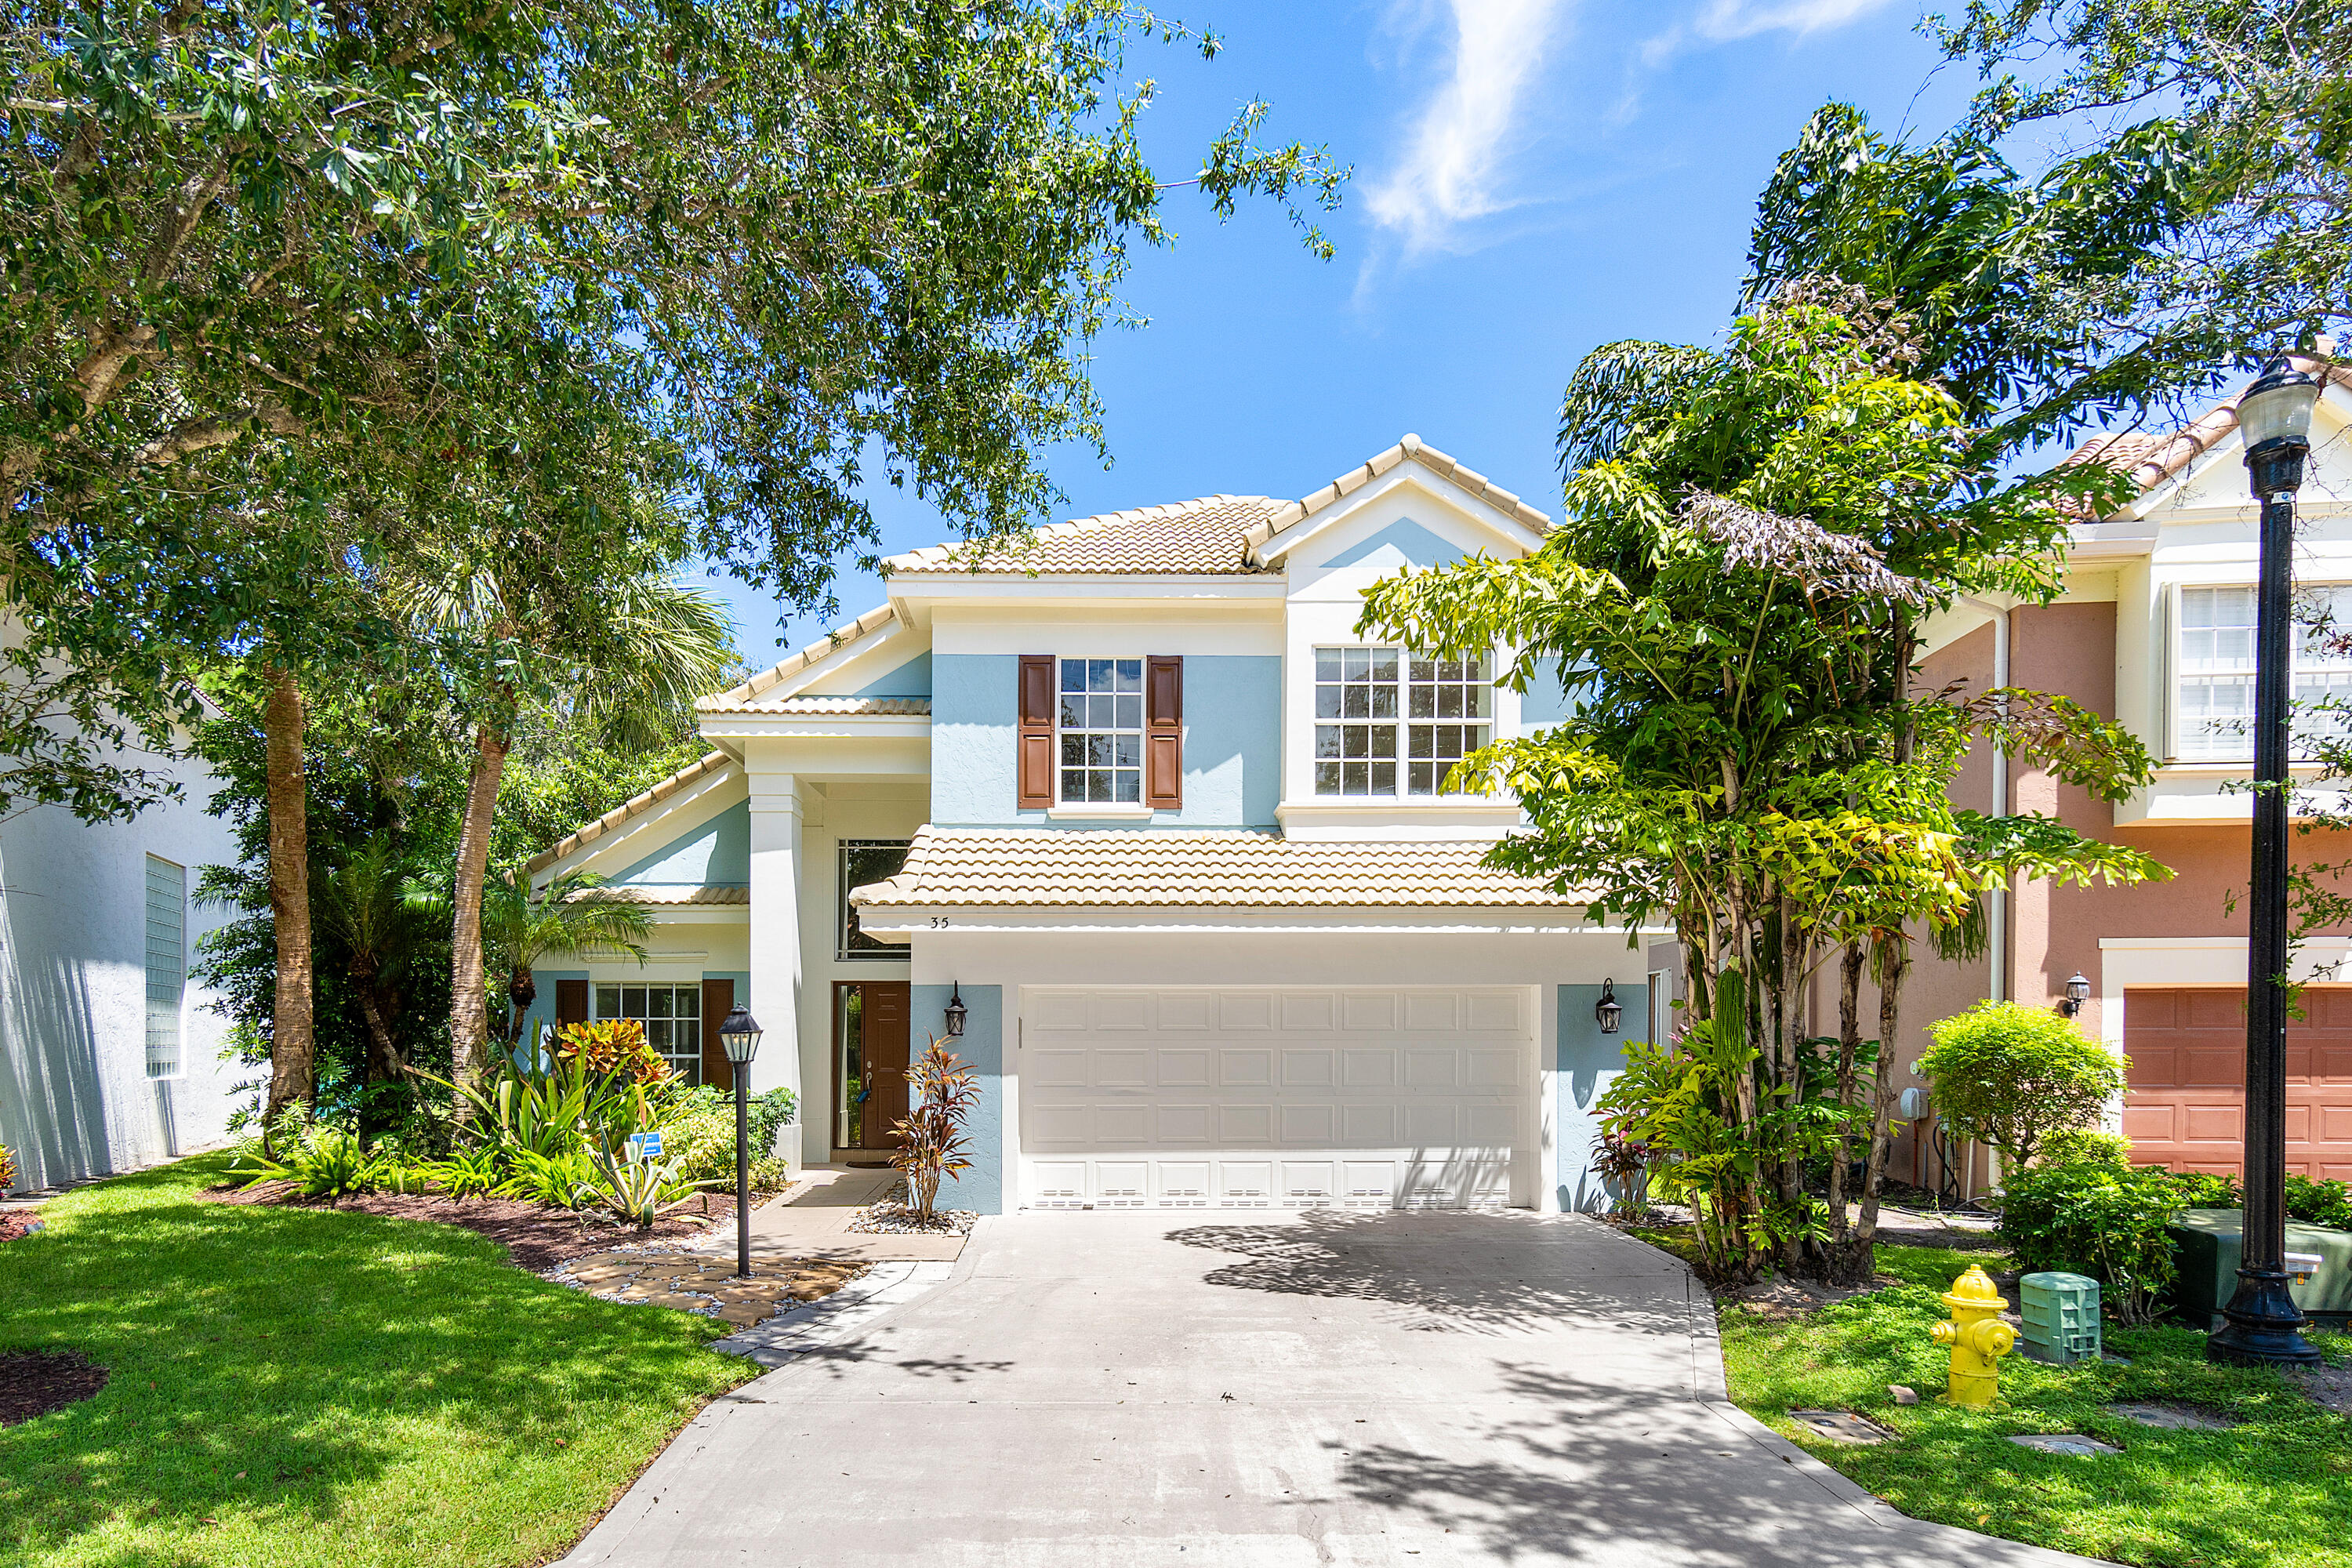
{"points": [[775, 937]]}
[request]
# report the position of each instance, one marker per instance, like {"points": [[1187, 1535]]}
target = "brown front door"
{"points": [[869, 1053]]}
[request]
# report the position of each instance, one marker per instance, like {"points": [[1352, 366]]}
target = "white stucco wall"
{"points": [[75, 1097]]}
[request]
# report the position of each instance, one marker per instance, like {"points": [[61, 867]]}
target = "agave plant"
{"points": [[641, 1191]]}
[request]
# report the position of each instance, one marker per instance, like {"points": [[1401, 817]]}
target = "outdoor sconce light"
{"points": [[739, 1032], [1608, 1011], [2078, 990], [957, 1014]]}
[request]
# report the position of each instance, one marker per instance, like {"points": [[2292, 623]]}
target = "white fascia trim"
{"points": [[896, 635], [2164, 961], [898, 924], [1407, 475]]}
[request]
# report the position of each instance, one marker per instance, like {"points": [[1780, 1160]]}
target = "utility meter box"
{"points": [[2062, 1318], [2319, 1268]]}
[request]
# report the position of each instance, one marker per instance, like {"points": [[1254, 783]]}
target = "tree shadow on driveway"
{"points": [[1465, 1272]]}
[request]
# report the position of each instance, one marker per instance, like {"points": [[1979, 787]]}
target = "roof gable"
{"points": [[1513, 525]]}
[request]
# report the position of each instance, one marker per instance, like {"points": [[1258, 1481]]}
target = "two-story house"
{"points": [[2156, 630], [1137, 801]]}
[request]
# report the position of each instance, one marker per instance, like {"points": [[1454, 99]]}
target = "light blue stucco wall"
{"points": [[982, 1188], [715, 854], [912, 678], [1586, 1061], [543, 1005], [1403, 542], [1233, 742], [1545, 702]]}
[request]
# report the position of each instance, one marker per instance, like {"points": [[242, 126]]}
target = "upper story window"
{"points": [[2214, 654], [865, 860], [1101, 728], [1388, 723]]}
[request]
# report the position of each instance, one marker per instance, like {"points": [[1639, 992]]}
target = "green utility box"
{"points": [[2062, 1318], [2210, 1241]]}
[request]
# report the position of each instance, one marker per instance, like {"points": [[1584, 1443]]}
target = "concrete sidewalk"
{"points": [[1267, 1388]]}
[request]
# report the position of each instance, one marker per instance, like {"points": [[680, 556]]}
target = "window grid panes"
{"points": [[2215, 682], [167, 964], [672, 1015], [1364, 696], [1101, 725]]}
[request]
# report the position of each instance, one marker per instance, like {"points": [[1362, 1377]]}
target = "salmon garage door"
{"points": [[2187, 1104]]}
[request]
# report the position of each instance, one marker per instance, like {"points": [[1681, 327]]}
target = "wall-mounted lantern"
{"points": [[1608, 1012], [2078, 990], [957, 1014]]}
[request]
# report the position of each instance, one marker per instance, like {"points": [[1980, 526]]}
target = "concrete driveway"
{"points": [[1266, 1389]]}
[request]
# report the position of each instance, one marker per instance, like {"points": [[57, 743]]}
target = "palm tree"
{"points": [[568, 919], [609, 634], [361, 900]]}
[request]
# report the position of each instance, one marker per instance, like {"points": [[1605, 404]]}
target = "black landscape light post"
{"points": [[2264, 1325], [741, 1034]]}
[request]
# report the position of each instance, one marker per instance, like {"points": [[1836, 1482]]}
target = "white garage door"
{"points": [[1275, 1098]]}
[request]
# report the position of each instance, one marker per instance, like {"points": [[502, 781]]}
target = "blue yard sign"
{"points": [[644, 1146]]}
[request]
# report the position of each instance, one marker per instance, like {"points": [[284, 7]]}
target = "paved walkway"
{"points": [[811, 1219], [1261, 1390]]}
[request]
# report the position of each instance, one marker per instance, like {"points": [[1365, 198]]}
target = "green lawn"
{"points": [[297, 1386], [2276, 1491]]}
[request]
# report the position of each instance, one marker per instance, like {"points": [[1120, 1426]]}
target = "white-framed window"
{"points": [[1098, 720], [866, 861], [1390, 723], [167, 963], [2213, 662], [672, 1015]]}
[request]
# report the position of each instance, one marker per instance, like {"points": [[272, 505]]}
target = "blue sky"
{"points": [[1533, 178]]}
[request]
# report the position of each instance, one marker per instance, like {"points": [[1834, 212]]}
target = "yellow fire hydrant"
{"points": [[1978, 1337]]}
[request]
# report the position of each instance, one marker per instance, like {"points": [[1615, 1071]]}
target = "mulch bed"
{"points": [[34, 1383], [15, 1223], [536, 1237]]}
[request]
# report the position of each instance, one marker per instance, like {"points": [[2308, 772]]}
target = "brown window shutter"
{"points": [[571, 1002], [717, 1000], [1163, 740], [1036, 740]]}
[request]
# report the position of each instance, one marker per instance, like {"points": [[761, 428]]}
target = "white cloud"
{"points": [[1722, 20], [1449, 174]]}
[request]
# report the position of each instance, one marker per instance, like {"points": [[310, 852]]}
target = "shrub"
{"points": [[7, 1168], [931, 1146], [2096, 1220], [2210, 1189], [558, 1180], [2087, 1146], [770, 1174], [2010, 1075], [2319, 1202], [703, 1143], [607, 1048]]}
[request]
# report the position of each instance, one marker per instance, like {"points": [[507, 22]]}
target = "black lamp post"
{"points": [[2264, 1325], [740, 1033]]}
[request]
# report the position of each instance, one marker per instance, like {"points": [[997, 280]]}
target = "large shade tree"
{"points": [[1752, 536]]}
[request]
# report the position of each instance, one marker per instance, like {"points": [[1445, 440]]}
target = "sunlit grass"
{"points": [[294, 1386]]}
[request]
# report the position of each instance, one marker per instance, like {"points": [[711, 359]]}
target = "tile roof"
{"points": [[679, 895], [740, 698], [992, 868], [1201, 536], [2152, 458], [856, 707], [1413, 448], [634, 806]]}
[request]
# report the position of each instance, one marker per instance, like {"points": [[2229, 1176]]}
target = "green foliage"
{"points": [[932, 1144], [467, 1173], [2009, 1075], [2323, 1203], [637, 1191], [2096, 1220], [2085, 1146], [325, 1158], [563, 1179], [2209, 1190]]}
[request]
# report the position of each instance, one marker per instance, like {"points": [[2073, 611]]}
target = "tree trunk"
{"points": [[470, 1021], [292, 1060], [1882, 1098], [1848, 1260]]}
